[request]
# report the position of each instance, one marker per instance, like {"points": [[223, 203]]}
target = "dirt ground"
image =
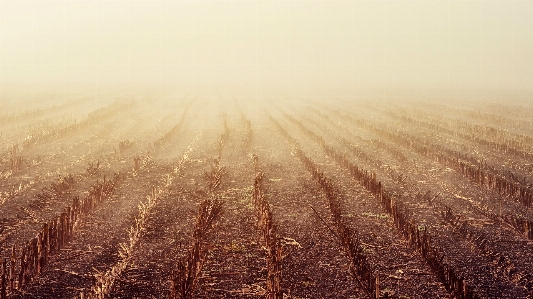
{"points": [[133, 242]]}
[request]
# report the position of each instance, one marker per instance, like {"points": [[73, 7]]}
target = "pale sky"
{"points": [[257, 44]]}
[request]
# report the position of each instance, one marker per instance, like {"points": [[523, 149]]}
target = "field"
{"points": [[164, 196]]}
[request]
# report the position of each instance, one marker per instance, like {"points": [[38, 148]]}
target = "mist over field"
{"points": [[266, 47], [266, 149]]}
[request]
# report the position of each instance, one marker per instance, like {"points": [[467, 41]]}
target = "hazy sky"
{"points": [[255, 44]]}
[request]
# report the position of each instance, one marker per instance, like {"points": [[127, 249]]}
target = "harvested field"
{"points": [[292, 199]]}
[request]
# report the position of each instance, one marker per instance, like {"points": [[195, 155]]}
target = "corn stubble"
{"points": [[184, 279]]}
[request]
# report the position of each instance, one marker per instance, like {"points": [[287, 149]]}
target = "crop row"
{"points": [[247, 124], [453, 279], [184, 279], [37, 112], [223, 137], [491, 133], [505, 184], [498, 117], [54, 191], [507, 260], [15, 161], [498, 139], [29, 260], [106, 280], [360, 265], [269, 237], [378, 143], [170, 134], [39, 137]]}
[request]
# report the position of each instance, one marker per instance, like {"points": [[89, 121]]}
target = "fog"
{"points": [[263, 47], [274, 149]]}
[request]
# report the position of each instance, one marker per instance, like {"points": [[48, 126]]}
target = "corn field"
{"points": [[209, 197]]}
